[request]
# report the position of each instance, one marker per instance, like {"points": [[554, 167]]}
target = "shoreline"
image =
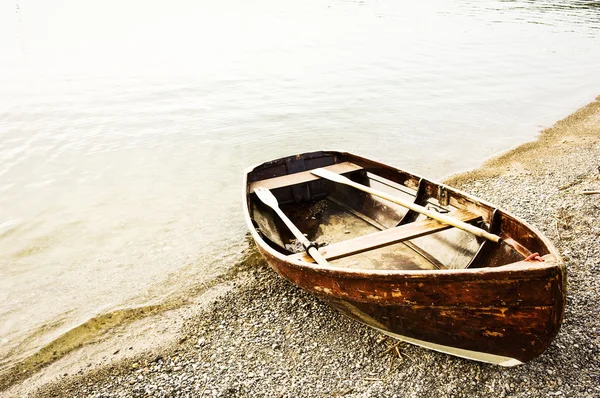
{"points": [[258, 335], [571, 131]]}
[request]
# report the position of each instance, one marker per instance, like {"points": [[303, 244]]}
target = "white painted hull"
{"points": [[468, 354]]}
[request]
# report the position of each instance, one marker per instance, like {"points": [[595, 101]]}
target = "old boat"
{"points": [[337, 225]]}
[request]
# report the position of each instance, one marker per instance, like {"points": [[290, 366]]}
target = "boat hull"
{"points": [[503, 313], [501, 316]]}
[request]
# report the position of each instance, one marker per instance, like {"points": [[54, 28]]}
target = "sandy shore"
{"points": [[256, 335]]}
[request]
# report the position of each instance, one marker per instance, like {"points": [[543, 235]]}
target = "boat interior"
{"points": [[358, 230]]}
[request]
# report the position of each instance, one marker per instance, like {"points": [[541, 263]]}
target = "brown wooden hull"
{"points": [[509, 313], [505, 314]]}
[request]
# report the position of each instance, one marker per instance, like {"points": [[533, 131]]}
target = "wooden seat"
{"points": [[387, 237], [303, 176]]}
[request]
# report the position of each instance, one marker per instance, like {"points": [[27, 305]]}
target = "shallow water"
{"points": [[125, 126]]}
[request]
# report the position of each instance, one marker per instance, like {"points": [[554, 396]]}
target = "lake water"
{"points": [[125, 126]]}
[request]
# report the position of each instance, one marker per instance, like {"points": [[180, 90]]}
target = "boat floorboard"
{"points": [[341, 225]]}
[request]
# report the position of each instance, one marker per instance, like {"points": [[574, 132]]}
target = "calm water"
{"points": [[125, 126]]}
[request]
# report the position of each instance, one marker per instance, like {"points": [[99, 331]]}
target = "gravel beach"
{"points": [[262, 336]]}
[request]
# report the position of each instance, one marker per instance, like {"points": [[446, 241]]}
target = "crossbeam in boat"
{"points": [[385, 238], [301, 177], [381, 227]]}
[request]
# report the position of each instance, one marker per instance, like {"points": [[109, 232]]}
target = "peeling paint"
{"points": [[322, 289], [456, 308], [492, 334]]}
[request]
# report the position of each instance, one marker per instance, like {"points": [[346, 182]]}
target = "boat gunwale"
{"points": [[557, 262]]}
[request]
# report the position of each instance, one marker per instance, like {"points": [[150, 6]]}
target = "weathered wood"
{"points": [[420, 199], [455, 305], [301, 177], [269, 199], [464, 327], [522, 250], [486, 247], [357, 214], [420, 209], [381, 227], [506, 311], [384, 238], [402, 188]]}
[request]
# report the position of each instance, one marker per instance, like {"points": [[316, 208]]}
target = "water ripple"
{"points": [[118, 143]]}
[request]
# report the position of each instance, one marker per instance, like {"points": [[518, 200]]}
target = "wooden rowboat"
{"points": [[412, 258]]}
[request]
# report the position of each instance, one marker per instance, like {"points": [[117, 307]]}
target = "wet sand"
{"points": [[254, 334]]}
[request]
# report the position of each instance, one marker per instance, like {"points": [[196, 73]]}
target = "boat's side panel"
{"points": [[511, 314], [505, 331], [459, 352]]}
